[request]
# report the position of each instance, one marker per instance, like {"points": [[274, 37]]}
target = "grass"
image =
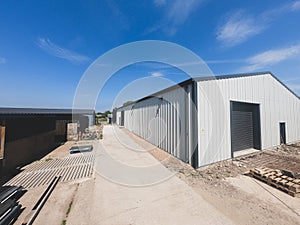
{"points": [[64, 222], [69, 209]]}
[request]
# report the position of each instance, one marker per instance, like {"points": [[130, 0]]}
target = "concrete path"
{"points": [[132, 187]]}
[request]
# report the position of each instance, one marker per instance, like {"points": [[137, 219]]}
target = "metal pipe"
{"points": [[41, 202], [11, 215]]}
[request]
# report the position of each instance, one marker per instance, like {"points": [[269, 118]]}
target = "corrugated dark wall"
{"points": [[28, 138]]}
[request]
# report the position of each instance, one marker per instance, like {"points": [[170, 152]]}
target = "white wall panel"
{"points": [[164, 120], [277, 104], [161, 120]]}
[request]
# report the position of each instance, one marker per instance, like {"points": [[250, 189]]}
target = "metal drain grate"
{"points": [[42, 173]]}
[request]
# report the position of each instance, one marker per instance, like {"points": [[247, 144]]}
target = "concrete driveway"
{"points": [[132, 187]]}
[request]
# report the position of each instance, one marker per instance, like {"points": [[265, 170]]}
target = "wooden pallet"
{"points": [[278, 180]]}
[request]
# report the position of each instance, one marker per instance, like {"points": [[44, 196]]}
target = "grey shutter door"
{"points": [[242, 130]]}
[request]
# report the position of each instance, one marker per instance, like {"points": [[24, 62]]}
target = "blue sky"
{"points": [[46, 46]]}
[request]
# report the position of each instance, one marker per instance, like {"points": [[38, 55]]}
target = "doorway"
{"points": [[282, 133], [245, 126], [122, 118]]}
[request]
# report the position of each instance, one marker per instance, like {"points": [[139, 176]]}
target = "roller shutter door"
{"points": [[242, 130]]}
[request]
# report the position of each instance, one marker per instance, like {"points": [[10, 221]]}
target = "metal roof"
{"points": [[217, 77], [40, 111], [228, 76]]}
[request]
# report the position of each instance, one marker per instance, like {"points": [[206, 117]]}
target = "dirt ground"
{"points": [[226, 185], [239, 197], [214, 184]]}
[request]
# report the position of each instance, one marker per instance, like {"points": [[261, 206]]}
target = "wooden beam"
{"points": [[2, 139]]}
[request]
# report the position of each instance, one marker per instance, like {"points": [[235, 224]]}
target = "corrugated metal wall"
{"points": [[167, 119], [277, 104], [163, 121]]}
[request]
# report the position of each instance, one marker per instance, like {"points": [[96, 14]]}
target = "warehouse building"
{"points": [[28, 134], [209, 119]]}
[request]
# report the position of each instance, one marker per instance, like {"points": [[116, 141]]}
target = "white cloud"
{"points": [[57, 51], [274, 13], [291, 79], [118, 15], [238, 28], [176, 14], [224, 61], [159, 3], [271, 57], [2, 60], [157, 74], [294, 86], [295, 6]]}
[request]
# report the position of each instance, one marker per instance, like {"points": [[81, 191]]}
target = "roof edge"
{"points": [[208, 78], [52, 111], [238, 75]]}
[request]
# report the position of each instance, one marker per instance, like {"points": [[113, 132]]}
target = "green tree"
{"points": [[106, 113]]}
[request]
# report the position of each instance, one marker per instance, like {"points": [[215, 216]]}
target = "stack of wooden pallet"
{"points": [[10, 209], [278, 179]]}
